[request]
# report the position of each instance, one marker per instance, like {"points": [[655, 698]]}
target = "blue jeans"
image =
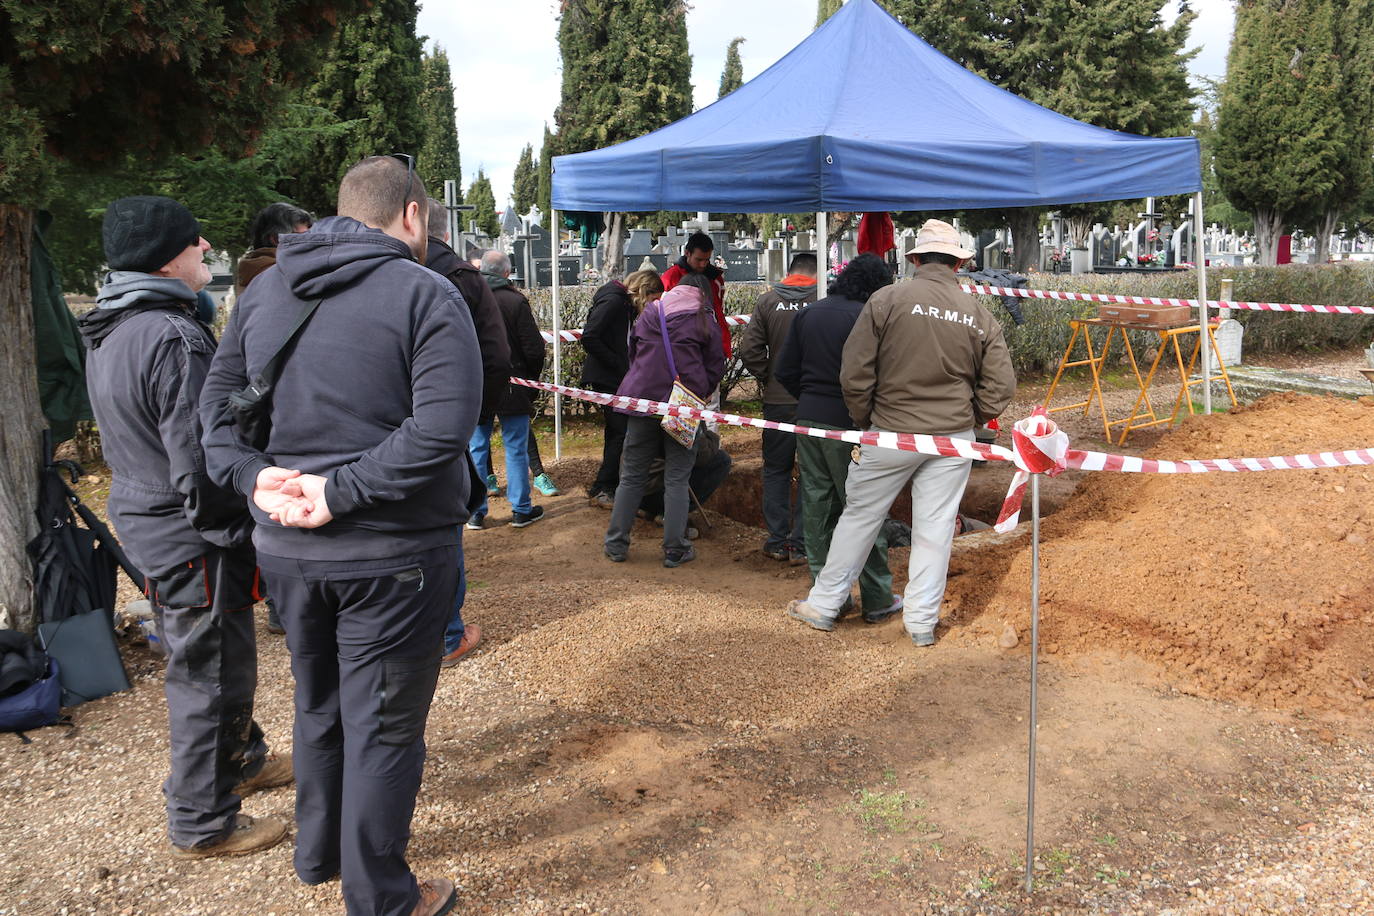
{"points": [[515, 431], [453, 633]]}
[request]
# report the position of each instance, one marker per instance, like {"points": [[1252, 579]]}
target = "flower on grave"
{"points": [[589, 275], [833, 272], [1154, 235], [1148, 260], [1058, 256]]}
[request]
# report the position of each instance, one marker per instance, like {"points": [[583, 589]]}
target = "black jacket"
{"points": [[486, 319], [809, 367], [379, 394], [606, 337], [527, 347], [147, 363]]}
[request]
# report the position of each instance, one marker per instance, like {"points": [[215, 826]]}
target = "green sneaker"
{"points": [[544, 484], [493, 488]]}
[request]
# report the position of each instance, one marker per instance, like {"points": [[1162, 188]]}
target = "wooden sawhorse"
{"points": [[1142, 413]]}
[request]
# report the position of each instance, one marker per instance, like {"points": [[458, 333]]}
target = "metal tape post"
{"points": [[1034, 686]]}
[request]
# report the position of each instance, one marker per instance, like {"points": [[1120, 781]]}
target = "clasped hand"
{"points": [[292, 499]]}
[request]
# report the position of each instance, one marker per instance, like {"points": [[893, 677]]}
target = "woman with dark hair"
{"points": [[809, 368], [272, 222], [674, 337]]}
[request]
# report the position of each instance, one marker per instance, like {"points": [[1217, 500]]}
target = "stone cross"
{"points": [[1149, 217]]}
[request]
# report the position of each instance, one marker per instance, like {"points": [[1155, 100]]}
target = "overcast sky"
{"points": [[504, 58]]}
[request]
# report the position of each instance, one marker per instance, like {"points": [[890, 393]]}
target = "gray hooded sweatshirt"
{"points": [[147, 362]]}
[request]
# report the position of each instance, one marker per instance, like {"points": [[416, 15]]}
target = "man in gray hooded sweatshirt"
{"points": [[148, 360]]}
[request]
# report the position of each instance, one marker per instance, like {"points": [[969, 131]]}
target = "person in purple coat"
{"points": [[686, 311]]}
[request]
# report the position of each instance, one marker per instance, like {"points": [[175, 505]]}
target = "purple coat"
{"points": [[696, 344]]}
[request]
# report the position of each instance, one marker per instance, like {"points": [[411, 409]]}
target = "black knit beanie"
{"points": [[145, 233]]}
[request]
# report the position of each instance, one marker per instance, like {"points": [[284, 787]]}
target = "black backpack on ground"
{"points": [[74, 570], [30, 693]]}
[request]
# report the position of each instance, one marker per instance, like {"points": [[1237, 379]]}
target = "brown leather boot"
{"points": [[249, 835], [276, 771], [437, 897], [472, 637]]}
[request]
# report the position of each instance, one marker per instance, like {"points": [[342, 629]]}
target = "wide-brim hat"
{"points": [[939, 237]]}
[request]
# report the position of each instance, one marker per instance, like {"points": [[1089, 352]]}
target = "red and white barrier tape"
{"points": [[575, 334], [1100, 461], [1039, 446], [905, 442], [1155, 300]]}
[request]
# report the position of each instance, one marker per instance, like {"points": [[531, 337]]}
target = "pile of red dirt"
{"points": [[1253, 587]]}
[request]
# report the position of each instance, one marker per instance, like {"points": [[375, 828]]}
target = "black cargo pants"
{"points": [[204, 612], [365, 640]]}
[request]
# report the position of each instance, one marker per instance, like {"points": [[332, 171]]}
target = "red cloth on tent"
{"points": [[876, 234]]}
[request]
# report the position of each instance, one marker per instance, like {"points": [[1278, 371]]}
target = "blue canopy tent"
{"points": [[865, 116]]}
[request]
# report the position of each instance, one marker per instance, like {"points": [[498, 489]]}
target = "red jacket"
{"points": [[673, 276]]}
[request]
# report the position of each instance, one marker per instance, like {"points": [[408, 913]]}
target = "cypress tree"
{"points": [[481, 197], [546, 154], [626, 72], [370, 76], [76, 83], [438, 158], [732, 77], [1352, 49], [1278, 132], [825, 9], [1115, 65], [526, 184]]}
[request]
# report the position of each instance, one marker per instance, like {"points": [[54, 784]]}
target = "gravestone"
{"points": [[774, 264], [640, 243], [994, 256], [720, 241], [1230, 335], [1139, 236], [804, 241], [1183, 244], [569, 266], [538, 246], [1098, 245], [672, 241], [741, 265]]}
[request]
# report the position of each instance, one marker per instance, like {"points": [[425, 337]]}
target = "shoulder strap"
{"points": [[269, 371], [667, 344]]}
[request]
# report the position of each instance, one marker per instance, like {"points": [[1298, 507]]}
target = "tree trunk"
{"points": [[1326, 226], [1268, 228], [613, 265], [21, 420], [838, 225], [1025, 239]]}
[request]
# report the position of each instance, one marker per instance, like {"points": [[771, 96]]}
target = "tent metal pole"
{"points": [[822, 250], [557, 340], [1034, 682], [1205, 335]]}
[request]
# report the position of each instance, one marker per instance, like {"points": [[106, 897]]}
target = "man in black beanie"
{"points": [[148, 360]]}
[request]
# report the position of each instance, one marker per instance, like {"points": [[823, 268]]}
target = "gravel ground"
{"points": [[632, 739]]}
